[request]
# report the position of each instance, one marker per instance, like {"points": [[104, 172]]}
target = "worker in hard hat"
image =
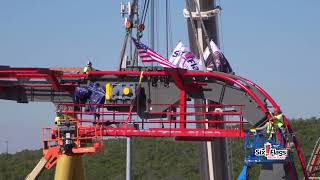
{"points": [[88, 68], [59, 117], [274, 124], [268, 127], [280, 126], [278, 118]]}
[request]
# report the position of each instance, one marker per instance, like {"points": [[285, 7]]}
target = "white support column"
{"points": [[128, 166]]}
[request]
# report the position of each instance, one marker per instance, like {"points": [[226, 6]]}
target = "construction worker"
{"points": [[61, 117], [66, 130], [272, 125], [88, 68], [58, 117], [280, 127], [278, 118], [268, 127]]}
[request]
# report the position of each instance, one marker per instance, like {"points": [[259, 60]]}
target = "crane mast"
{"points": [[213, 154]]}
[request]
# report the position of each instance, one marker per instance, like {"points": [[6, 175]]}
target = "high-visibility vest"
{"points": [[58, 118], [87, 69], [279, 120], [270, 128]]}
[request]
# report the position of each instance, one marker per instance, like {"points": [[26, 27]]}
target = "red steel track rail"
{"points": [[290, 129], [54, 76]]}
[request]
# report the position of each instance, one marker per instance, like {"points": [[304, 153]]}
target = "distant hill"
{"points": [[159, 158]]}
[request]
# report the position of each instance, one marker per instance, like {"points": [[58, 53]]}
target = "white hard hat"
{"points": [[59, 111]]}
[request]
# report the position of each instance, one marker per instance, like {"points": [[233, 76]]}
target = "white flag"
{"points": [[182, 57], [214, 48], [218, 59]]}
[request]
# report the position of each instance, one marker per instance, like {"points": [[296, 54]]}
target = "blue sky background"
{"points": [[274, 43]]}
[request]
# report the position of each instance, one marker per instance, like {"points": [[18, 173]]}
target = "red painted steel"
{"points": [[186, 131], [89, 142], [314, 165], [51, 155], [270, 99], [53, 76], [183, 109], [54, 81], [177, 76], [290, 129], [189, 74], [165, 132]]}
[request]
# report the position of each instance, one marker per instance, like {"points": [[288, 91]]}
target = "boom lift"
{"points": [[260, 149]]}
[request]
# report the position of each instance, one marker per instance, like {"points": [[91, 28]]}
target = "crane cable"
{"points": [[167, 29], [204, 31], [193, 27], [170, 28], [144, 11], [137, 91]]}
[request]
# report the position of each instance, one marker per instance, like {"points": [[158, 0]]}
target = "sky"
{"points": [[273, 43]]}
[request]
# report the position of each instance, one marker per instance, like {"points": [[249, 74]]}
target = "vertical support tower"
{"points": [[213, 154]]}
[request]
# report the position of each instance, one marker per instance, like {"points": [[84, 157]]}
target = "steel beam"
{"points": [[214, 157]]}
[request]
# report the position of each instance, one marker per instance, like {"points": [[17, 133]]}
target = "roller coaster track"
{"points": [[291, 131], [314, 162], [41, 84]]}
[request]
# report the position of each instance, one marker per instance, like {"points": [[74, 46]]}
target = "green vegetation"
{"points": [[160, 158]]}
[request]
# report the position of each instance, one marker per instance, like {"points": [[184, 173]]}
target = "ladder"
{"points": [[314, 161]]}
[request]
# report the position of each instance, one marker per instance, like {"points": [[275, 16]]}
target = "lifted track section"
{"points": [[167, 86]]}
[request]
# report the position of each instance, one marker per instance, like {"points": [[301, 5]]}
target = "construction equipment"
{"points": [[48, 160], [154, 112], [259, 149]]}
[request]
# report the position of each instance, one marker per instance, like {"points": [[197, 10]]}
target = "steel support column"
{"points": [[213, 155], [69, 168], [128, 164], [183, 109]]}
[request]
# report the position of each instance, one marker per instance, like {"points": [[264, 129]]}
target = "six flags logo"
{"points": [[190, 60], [270, 153]]}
